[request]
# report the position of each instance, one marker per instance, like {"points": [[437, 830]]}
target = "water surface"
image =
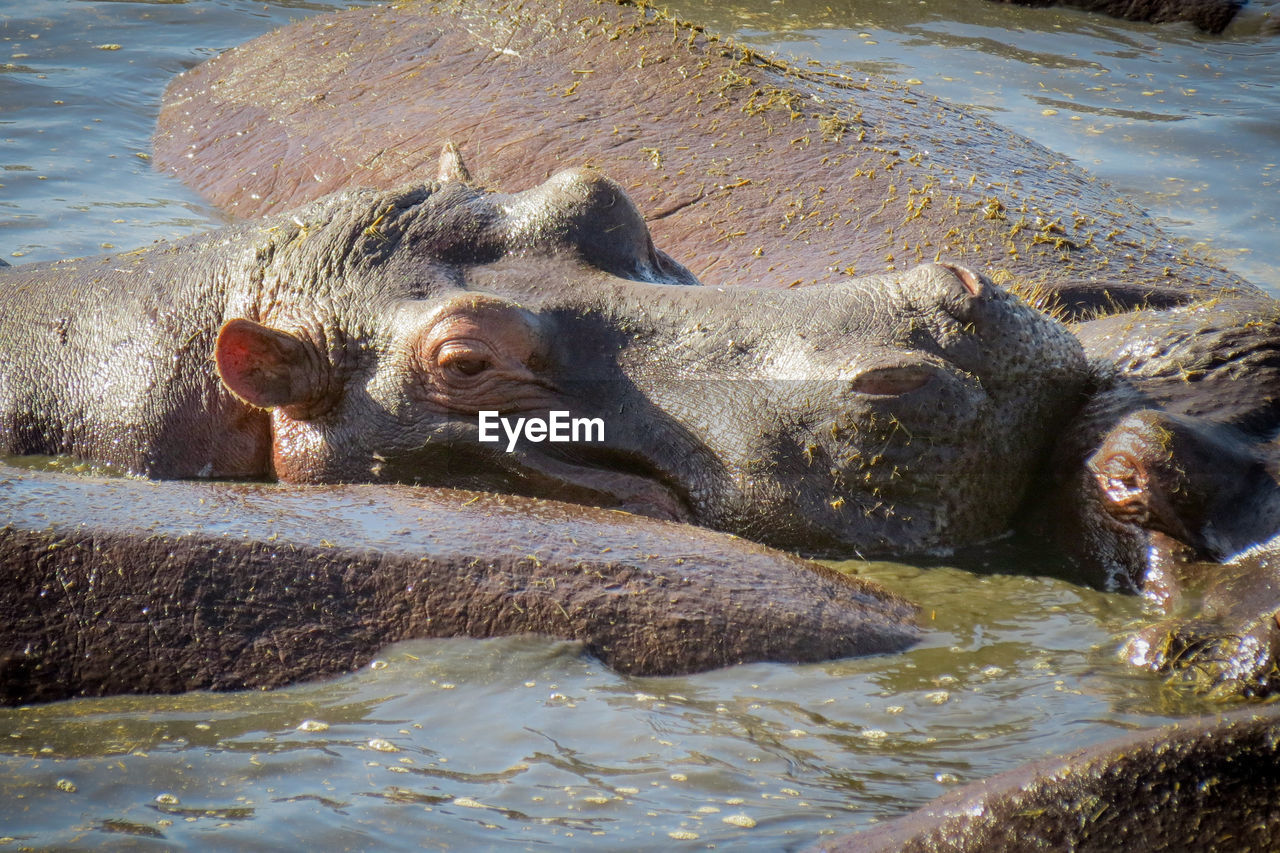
{"points": [[525, 742]]}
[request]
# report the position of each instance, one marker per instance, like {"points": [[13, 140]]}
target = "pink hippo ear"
{"points": [[266, 367]]}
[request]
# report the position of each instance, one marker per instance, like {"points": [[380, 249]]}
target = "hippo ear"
{"points": [[266, 367], [451, 167]]}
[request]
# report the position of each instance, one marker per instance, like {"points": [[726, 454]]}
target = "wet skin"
{"points": [[1222, 636], [115, 586], [358, 339], [761, 174], [1169, 477], [1197, 786], [1175, 442], [260, 363], [818, 179], [1212, 16], [813, 516], [749, 171], [749, 177]]}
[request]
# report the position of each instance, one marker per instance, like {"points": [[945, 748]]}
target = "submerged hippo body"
{"points": [[360, 340], [1199, 786], [749, 171], [1168, 479], [122, 586], [1212, 16], [1223, 633]]}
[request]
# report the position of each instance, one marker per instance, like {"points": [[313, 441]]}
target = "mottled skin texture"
{"points": [[753, 173], [1172, 469], [756, 173], [1223, 635], [117, 586], [1212, 16], [1198, 786], [1175, 449], [748, 171], [357, 339]]}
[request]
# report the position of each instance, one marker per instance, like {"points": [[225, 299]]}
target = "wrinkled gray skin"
{"points": [[1200, 786], [114, 586], [761, 174], [309, 118], [355, 340]]}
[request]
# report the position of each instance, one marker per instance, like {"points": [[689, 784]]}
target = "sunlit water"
{"points": [[524, 742]]}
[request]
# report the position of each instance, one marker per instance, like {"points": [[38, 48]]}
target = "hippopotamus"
{"points": [[1208, 784], [753, 172], [1222, 636], [1168, 479], [1211, 16], [758, 173], [749, 170], [1173, 456], [111, 585], [398, 335]]}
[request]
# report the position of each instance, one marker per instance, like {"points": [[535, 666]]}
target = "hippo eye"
{"points": [[468, 366], [464, 359], [888, 381]]}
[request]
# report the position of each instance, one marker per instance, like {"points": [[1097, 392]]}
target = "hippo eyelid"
{"points": [[469, 365], [465, 355], [892, 381]]}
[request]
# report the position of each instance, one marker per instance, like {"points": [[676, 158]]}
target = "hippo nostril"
{"points": [[971, 280], [887, 381]]}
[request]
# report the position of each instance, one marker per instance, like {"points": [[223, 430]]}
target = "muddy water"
{"points": [[523, 742]]}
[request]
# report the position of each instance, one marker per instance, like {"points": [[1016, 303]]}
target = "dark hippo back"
{"points": [[1212, 16], [1200, 786], [128, 586], [749, 171]]}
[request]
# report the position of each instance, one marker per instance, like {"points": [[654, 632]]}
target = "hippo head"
{"points": [[1164, 488], [538, 343], [1173, 459]]}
